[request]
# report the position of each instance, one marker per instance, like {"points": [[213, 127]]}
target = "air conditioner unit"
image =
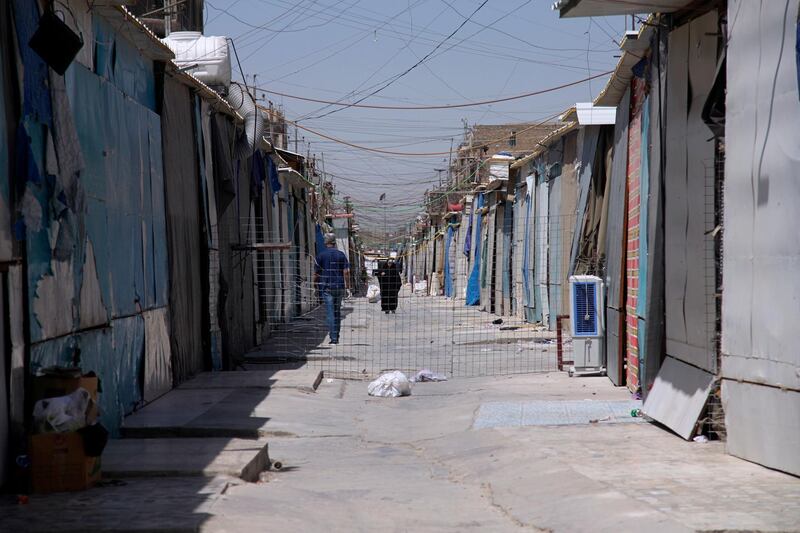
{"points": [[587, 308]]}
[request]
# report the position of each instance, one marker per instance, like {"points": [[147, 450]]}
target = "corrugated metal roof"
{"points": [[135, 30], [545, 144], [634, 44], [605, 8]]}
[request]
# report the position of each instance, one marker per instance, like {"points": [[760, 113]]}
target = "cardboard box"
{"points": [[59, 463], [52, 386]]}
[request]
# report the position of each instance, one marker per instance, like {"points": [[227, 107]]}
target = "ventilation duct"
{"points": [[244, 103]]}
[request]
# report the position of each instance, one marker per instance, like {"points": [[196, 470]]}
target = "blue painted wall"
{"points": [[116, 204]]}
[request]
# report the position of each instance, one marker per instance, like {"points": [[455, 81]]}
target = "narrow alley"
{"points": [[336, 265]]}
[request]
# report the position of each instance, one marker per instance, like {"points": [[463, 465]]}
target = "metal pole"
{"points": [[385, 232]]}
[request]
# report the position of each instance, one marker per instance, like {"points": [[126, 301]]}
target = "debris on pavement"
{"points": [[701, 439], [427, 375], [390, 385]]}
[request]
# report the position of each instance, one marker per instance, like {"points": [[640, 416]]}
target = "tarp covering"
{"points": [[448, 273], [6, 251], [94, 261], [508, 232], [653, 345], [184, 238], [474, 282], [527, 267], [214, 333], [587, 146], [614, 246], [236, 300]]}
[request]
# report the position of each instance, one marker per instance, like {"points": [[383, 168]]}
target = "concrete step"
{"points": [[222, 404], [230, 413], [164, 457]]}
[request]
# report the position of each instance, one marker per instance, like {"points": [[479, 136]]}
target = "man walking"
{"points": [[332, 274]]}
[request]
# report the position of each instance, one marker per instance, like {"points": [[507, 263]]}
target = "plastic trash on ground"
{"points": [[390, 385], [62, 413], [427, 375], [373, 294]]}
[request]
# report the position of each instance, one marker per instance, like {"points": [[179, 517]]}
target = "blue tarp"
{"points": [[644, 193], [474, 282], [320, 239], [274, 182], [258, 173], [448, 275], [120, 62], [468, 238]]}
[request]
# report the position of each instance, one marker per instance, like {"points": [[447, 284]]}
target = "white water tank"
{"points": [[209, 53]]}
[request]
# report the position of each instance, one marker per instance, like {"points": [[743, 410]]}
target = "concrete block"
{"points": [[185, 457]]}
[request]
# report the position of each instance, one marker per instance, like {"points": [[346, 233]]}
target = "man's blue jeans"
{"points": [[333, 308]]}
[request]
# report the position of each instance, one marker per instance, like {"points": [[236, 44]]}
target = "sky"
{"points": [[345, 50]]}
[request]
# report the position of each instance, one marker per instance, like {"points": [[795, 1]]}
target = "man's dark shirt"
{"points": [[331, 264]]}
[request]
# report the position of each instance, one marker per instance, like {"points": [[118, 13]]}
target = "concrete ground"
{"points": [[454, 456]]}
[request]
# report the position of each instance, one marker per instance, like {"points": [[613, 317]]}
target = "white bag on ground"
{"points": [[373, 294], [390, 385]]}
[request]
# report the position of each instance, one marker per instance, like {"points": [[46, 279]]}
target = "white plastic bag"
{"points": [[373, 294], [390, 385], [62, 413], [428, 375]]}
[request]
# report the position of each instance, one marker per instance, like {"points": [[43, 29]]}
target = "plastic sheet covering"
{"points": [[614, 244], [508, 230], [542, 221], [448, 274], [223, 134], [556, 278], [114, 354], [6, 250], [35, 93], [473, 284], [184, 238], [124, 214], [644, 191], [121, 63], [157, 355], [118, 365], [527, 269], [654, 312], [215, 336], [5, 423], [587, 146], [236, 299]]}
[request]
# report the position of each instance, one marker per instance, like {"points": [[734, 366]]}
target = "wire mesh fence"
{"points": [[411, 312]]}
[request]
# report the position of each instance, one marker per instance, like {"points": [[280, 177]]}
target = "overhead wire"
{"points": [[440, 106], [415, 65]]}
